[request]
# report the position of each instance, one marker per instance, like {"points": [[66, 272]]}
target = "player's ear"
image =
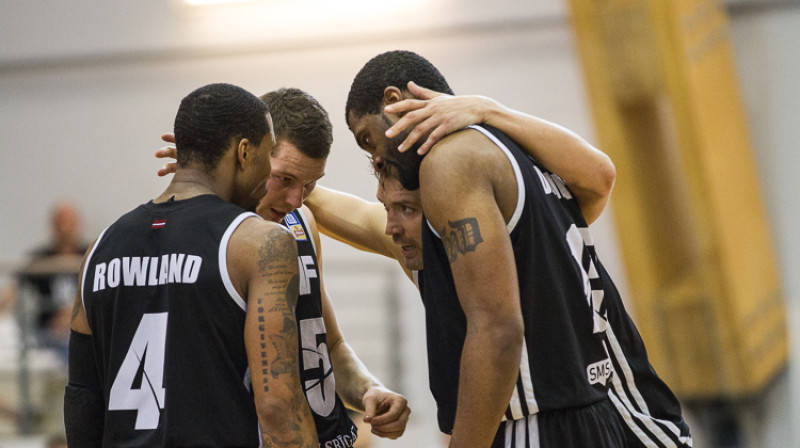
{"points": [[392, 95], [244, 152]]}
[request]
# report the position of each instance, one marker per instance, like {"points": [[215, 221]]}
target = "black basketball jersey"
{"points": [[649, 409], [334, 427], [168, 327], [564, 363]]}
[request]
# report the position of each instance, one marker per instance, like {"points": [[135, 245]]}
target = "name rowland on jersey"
{"points": [[169, 268], [147, 271]]}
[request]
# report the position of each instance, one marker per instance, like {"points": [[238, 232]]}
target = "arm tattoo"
{"points": [[277, 262], [276, 247], [286, 359], [263, 345], [462, 236]]}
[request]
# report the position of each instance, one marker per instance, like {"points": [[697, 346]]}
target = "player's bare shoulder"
{"points": [[465, 157], [466, 151]]}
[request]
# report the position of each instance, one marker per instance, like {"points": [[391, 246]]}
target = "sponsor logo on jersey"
{"points": [[147, 271], [290, 219], [299, 233], [294, 225], [599, 372], [341, 441]]}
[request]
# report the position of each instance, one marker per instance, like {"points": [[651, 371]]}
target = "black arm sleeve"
{"points": [[84, 407]]}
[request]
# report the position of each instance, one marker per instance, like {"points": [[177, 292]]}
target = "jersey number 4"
{"points": [[580, 240], [139, 382]]}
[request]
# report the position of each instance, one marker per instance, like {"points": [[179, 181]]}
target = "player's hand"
{"points": [[168, 152], [387, 412], [434, 114]]}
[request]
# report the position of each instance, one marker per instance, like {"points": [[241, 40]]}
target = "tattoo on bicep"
{"points": [[276, 249], [277, 262], [461, 237]]}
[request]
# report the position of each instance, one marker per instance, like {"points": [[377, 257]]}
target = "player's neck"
{"points": [[186, 184]]}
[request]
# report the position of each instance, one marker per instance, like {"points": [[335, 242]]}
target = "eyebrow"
{"points": [[284, 174]]}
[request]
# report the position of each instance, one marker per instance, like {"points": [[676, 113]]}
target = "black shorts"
{"points": [[597, 425]]}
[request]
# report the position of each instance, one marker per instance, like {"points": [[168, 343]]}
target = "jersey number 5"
{"points": [[320, 392], [139, 382]]}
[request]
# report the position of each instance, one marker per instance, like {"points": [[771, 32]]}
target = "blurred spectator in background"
{"points": [[40, 294], [52, 278]]}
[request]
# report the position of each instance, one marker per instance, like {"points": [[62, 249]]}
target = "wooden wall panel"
{"points": [[688, 206]]}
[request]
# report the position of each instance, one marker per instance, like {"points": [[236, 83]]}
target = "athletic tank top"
{"points": [[168, 327], [650, 411], [564, 362], [334, 427]]}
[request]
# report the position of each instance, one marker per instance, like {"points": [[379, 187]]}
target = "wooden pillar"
{"points": [[688, 206]]}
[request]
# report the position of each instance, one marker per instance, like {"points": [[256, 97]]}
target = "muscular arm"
{"points": [[473, 230], [264, 258], [354, 221], [587, 171], [385, 410], [351, 220]]}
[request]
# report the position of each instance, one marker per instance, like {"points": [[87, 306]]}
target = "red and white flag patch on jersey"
{"points": [[159, 223]]}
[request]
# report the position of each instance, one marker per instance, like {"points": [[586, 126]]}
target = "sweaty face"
{"points": [[403, 219], [294, 176]]}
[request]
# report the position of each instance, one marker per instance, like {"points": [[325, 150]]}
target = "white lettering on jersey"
{"points": [[321, 391], [147, 271], [579, 239], [552, 184], [307, 272], [599, 372], [341, 441]]}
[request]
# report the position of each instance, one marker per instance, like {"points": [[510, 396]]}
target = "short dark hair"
{"points": [[299, 119], [209, 117], [392, 68]]}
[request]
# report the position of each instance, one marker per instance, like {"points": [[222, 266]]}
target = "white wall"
{"points": [[87, 87]]}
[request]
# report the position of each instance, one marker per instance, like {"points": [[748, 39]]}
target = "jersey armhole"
{"points": [[512, 223], [86, 266], [223, 259]]}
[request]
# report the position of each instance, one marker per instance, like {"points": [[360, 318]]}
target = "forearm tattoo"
{"points": [[461, 237]]}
